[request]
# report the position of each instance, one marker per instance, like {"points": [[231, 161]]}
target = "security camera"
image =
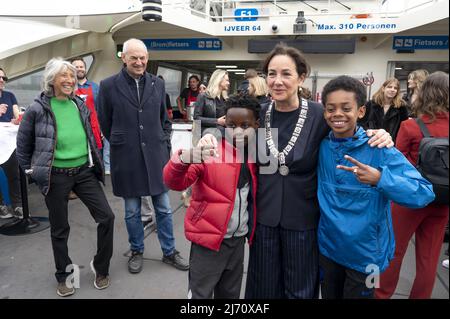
{"points": [[274, 28]]}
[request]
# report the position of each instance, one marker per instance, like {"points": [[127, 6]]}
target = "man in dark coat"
{"points": [[133, 118]]}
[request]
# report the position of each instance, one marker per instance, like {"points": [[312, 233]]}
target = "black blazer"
{"points": [[138, 133], [291, 201]]}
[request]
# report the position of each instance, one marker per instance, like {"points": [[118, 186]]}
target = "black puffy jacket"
{"points": [[36, 141]]}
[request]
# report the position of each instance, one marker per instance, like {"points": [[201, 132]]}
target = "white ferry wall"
{"points": [[373, 51]]}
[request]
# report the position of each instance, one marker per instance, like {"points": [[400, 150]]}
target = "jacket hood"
{"points": [[355, 141]]}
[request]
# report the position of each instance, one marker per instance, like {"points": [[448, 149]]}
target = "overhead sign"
{"points": [[194, 44], [355, 26], [246, 14], [424, 42]]}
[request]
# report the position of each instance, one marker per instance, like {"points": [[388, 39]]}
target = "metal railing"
{"points": [[214, 9]]}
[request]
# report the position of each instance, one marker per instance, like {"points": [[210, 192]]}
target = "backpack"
{"points": [[433, 163]]}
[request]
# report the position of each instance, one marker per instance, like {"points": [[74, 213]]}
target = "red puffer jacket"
{"points": [[214, 185]]}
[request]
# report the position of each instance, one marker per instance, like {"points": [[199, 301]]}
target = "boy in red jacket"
{"points": [[222, 210]]}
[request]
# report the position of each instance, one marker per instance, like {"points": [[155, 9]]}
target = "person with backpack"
{"points": [[428, 223]]}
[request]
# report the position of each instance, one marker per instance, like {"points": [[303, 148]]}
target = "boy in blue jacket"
{"points": [[356, 186]]}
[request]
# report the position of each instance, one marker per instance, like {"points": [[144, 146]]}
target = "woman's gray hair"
{"points": [[53, 67]]}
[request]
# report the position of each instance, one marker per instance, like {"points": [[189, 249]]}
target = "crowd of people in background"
{"points": [[295, 219]]}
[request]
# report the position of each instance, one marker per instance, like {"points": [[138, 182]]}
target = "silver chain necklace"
{"points": [[281, 156]]}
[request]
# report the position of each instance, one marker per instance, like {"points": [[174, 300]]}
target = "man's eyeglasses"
{"points": [[4, 78]]}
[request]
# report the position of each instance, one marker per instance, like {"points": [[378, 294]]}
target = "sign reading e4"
{"points": [[246, 14]]}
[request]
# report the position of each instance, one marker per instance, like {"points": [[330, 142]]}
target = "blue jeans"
{"points": [[164, 223], [106, 154], [4, 188]]}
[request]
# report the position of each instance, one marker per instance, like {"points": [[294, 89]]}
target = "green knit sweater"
{"points": [[71, 140]]}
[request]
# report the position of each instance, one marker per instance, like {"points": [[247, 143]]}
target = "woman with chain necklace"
{"points": [[283, 259]]}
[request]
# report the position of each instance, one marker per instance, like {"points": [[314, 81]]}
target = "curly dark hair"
{"points": [[193, 76], [433, 95], [348, 84], [243, 101]]}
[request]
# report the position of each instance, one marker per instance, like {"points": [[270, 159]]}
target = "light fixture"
{"points": [[152, 10], [119, 49], [235, 70], [300, 23], [240, 73], [398, 68], [226, 66]]}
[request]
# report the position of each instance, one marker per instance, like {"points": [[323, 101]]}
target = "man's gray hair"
{"points": [[140, 43], [53, 67]]}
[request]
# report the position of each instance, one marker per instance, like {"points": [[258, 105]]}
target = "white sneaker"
{"points": [[18, 212], [445, 263], [5, 212]]}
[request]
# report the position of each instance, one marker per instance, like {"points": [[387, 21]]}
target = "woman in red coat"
{"points": [[428, 224]]}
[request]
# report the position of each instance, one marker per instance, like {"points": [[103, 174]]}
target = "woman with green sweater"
{"points": [[56, 148]]}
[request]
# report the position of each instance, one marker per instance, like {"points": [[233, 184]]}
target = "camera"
{"points": [[275, 28]]}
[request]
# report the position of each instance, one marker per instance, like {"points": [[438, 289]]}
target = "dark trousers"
{"points": [[283, 264], [88, 189], [217, 272], [11, 169], [340, 282]]}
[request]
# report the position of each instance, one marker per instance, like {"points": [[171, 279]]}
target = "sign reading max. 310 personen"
{"points": [[195, 44]]}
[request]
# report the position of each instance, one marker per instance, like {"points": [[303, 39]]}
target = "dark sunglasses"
{"points": [[4, 78]]}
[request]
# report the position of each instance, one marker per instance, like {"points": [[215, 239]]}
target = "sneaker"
{"points": [[107, 172], [18, 212], [5, 212], [176, 260], [445, 263], [63, 291], [135, 262], [100, 282]]}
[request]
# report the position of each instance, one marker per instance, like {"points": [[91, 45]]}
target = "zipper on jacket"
{"points": [[387, 224], [54, 148], [86, 122], [239, 214]]}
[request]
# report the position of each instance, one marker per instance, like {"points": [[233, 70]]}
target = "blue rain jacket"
{"points": [[355, 227]]}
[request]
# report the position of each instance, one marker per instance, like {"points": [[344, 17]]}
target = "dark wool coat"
{"points": [[138, 133]]}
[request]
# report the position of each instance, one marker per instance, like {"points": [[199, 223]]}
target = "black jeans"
{"points": [[340, 282], [217, 273], [88, 189], [11, 168]]}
